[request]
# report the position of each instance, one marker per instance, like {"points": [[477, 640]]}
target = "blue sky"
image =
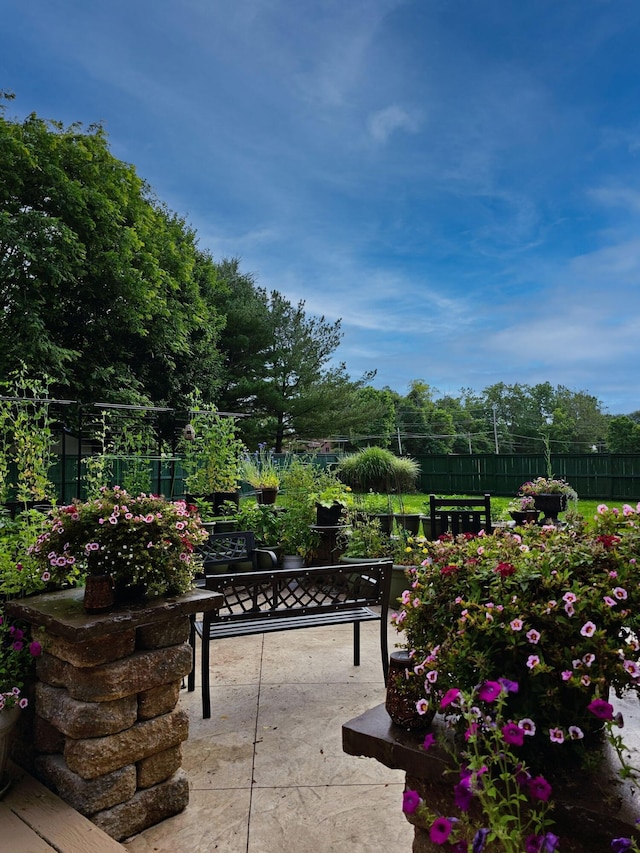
{"points": [[458, 180]]}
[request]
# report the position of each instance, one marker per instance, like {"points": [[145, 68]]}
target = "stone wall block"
{"points": [[141, 671], [87, 796], [78, 719], [47, 738], [93, 757], [52, 670], [159, 700], [159, 767], [172, 632], [146, 808], [92, 652]]}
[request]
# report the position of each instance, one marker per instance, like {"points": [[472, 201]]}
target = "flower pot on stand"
{"points": [[328, 516], [8, 719], [551, 505]]}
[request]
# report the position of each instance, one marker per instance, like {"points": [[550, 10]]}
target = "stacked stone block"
{"points": [[108, 732]]}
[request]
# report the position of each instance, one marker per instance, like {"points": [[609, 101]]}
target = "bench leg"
{"points": [[191, 680], [206, 642], [384, 648], [356, 644]]}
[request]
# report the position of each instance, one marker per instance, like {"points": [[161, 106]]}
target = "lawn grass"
{"points": [[419, 502]]}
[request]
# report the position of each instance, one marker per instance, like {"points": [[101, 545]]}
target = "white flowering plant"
{"points": [[144, 539]]}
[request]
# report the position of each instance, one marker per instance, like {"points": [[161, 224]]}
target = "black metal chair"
{"points": [[463, 515]]}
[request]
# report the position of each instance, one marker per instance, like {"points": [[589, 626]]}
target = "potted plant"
{"points": [[520, 639], [17, 664], [143, 544], [331, 499], [550, 495], [379, 507], [261, 471], [523, 510], [211, 453]]}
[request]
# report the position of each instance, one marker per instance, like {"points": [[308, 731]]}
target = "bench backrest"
{"points": [[465, 515], [299, 592], [237, 546]]}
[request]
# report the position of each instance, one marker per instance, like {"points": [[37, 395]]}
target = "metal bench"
{"points": [[287, 599]]}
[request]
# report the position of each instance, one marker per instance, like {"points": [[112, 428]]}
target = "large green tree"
{"points": [[100, 285]]}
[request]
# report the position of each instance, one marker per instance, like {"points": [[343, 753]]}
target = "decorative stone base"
{"points": [[107, 734]]}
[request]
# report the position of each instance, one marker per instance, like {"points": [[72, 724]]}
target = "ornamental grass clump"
{"points": [[137, 540], [553, 612]]}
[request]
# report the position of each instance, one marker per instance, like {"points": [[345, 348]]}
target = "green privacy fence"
{"points": [[610, 476], [593, 475]]}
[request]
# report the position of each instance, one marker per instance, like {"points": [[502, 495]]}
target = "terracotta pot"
{"points": [[98, 593], [402, 695]]}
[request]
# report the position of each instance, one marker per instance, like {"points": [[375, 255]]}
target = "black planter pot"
{"points": [[220, 497], [527, 516], [551, 505], [385, 519], [328, 516], [409, 521]]}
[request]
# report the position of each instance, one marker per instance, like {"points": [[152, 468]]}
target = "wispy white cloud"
{"points": [[394, 117]]}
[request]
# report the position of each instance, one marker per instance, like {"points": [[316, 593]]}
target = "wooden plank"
{"points": [[51, 818], [16, 835]]}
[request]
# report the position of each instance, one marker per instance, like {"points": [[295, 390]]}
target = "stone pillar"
{"points": [[107, 730]]}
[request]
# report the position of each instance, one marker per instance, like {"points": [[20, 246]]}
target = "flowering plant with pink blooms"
{"points": [[17, 662], [498, 803], [554, 611], [144, 539]]}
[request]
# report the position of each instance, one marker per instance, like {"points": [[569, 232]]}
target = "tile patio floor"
{"points": [[267, 772]]}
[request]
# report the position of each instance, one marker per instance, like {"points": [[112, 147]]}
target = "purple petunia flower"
{"points": [[489, 691], [513, 734], [550, 843], [619, 845], [410, 801], [539, 789], [440, 830], [601, 709], [429, 740], [462, 796], [479, 840], [449, 697], [532, 843]]}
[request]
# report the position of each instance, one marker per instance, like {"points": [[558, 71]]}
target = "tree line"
{"points": [[107, 293]]}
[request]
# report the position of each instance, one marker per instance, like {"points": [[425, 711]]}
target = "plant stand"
{"points": [[589, 812], [329, 550], [107, 733]]}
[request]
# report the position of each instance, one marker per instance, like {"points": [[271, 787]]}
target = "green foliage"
{"points": [[623, 435], [263, 519], [27, 438], [260, 469], [378, 469], [101, 286], [212, 458], [21, 573]]}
